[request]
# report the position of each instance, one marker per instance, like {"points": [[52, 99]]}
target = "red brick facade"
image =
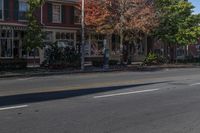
{"points": [[68, 14], [12, 28]]}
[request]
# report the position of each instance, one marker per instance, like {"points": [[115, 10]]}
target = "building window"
{"points": [[6, 44], [23, 8], [30, 54], [77, 16], [6, 48], [48, 36], [65, 38], [1, 9], [198, 47], [97, 44], [139, 48], [115, 44], [56, 13]]}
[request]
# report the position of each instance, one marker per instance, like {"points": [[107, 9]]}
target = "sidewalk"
{"points": [[30, 72]]}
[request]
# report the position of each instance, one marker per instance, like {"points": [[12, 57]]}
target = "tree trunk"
{"points": [[129, 55], [185, 52], [166, 52], [165, 49], [175, 52], [171, 53], [34, 62]]}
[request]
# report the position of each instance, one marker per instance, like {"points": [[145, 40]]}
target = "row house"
{"points": [[180, 52], [95, 44], [60, 20]]}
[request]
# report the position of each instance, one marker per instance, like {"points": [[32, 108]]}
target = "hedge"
{"points": [[13, 64]]}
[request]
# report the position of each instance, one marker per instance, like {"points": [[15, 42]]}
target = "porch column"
{"points": [[54, 36]]}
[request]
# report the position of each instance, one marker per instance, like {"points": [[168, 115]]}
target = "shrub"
{"points": [[97, 63], [113, 62], [162, 60], [13, 64], [151, 59], [61, 57], [154, 59]]}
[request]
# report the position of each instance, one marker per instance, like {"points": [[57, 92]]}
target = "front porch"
{"points": [[11, 45], [95, 45]]}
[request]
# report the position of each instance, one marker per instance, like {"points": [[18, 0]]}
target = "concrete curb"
{"points": [[136, 68], [55, 73]]}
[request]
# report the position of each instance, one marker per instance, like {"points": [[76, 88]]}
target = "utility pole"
{"points": [[83, 35]]}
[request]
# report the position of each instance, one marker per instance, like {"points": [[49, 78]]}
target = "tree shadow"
{"points": [[47, 96]]}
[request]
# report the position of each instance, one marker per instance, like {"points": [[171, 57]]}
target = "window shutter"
{"points": [[0, 14], [72, 11], [16, 9], [1, 10], [6, 9], [50, 10], [63, 14]]}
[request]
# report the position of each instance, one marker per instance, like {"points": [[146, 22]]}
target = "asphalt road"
{"points": [[166, 101]]}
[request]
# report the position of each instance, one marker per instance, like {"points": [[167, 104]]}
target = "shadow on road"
{"points": [[46, 96]]}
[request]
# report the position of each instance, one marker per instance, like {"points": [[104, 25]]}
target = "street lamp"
{"points": [[83, 35]]}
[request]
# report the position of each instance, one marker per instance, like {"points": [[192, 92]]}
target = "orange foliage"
{"points": [[109, 16]]}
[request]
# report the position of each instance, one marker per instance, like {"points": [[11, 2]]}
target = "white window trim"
{"points": [[60, 13], [2, 10]]}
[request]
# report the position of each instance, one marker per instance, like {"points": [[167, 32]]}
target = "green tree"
{"points": [[178, 25], [189, 33], [33, 34]]}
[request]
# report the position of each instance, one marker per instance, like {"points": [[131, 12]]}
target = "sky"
{"points": [[196, 3]]}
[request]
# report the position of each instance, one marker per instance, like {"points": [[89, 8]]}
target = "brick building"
{"points": [[59, 19]]}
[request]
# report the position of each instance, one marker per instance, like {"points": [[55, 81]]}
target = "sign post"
{"points": [[83, 36], [106, 55]]}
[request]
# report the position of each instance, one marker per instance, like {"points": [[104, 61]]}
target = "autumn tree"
{"points": [[121, 16]]}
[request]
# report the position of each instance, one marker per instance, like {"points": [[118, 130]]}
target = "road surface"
{"points": [[166, 101]]}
